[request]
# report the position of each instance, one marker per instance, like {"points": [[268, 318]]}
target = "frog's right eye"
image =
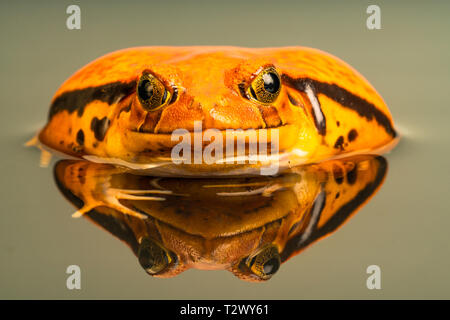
{"points": [[152, 93], [153, 257]]}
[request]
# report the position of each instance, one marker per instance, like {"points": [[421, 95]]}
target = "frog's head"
{"points": [[222, 89], [218, 89]]}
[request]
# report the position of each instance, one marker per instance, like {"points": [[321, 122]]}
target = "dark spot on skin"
{"points": [[81, 176], [337, 195], [338, 123], [61, 142], [100, 127], [339, 144], [70, 130], [352, 135], [80, 137], [351, 176], [338, 174], [95, 144], [77, 149]]}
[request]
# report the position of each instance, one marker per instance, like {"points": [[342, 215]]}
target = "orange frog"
{"points": [[124, 108]]}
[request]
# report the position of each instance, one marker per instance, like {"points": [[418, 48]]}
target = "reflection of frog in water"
{"points": [[248, 226]]}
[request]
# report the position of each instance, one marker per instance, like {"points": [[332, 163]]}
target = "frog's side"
{"points": [[248, 226], [322, 108]]}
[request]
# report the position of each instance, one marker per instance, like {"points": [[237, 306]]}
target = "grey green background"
{"points": [[404, 229]]}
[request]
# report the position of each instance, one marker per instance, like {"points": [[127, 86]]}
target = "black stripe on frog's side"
{"points": [[343, 97], [294, 245], [116, 226], [77, 100]]}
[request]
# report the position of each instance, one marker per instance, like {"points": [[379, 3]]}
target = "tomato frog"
{"points": [[246, 225], [301, 104]]}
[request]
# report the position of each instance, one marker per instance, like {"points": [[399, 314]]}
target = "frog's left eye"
{"points": [[152, 93], [266, 87], [265, 262]]}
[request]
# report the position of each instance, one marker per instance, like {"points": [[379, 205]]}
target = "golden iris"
{"points": [[152, 93], [266, 87]]}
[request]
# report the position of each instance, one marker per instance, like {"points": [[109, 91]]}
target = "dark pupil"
{"points": [[145, 90], [271, 82], [271, 266]]}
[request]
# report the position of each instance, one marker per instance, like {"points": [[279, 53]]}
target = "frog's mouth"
{"points": [[199, 127], [272, 139]]}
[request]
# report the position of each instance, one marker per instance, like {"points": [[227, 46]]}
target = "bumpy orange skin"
{"points": [[97, 111]]}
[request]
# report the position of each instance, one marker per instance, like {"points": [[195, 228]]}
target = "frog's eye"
{"points": [[151, 92], [153, 257], [265, 262], [265, 88]]}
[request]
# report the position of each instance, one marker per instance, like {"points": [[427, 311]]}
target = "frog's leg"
{"points": [[46, 156]]}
